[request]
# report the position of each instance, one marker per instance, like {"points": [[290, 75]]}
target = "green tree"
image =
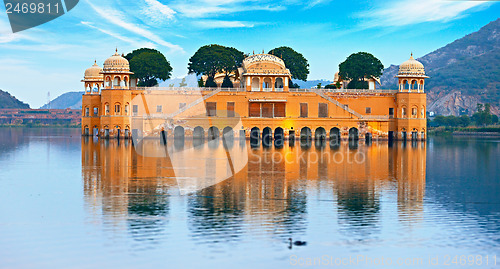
{"points": [[227, 83], [294, 61], [212, 59], [149, 66], [483, 115], [318, 86], [359, 66], [200, 82], [464, 120], [210, 83]]}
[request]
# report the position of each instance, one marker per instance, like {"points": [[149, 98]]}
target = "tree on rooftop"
{"points": [[212, 59], [359, 66], [149, 66], [294, 61]]}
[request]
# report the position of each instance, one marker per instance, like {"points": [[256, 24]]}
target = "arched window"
{"points": [[96, 111], [413, 112], [266, 85], [87, 111], [403, 112], [278, 85], [126, 109], [255, 84], [106, 109], [117, 108], [414, 85], [108, 81], [116, 81]]}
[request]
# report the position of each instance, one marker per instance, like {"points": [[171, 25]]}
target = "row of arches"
{"points": [[93, 87], [413, 113], [112, 82], [267, 133], [267, 84], [115, 110], [414, 84]]}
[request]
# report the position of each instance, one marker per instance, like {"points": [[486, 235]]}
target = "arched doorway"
{"points": [[368, 138], [228, 133], [279, 133], [335, 134], [353, 134], [255, 133], [320, 134], [279, 137], [305, 133], [267, 134], [179, 132], [198, 132], [213, 133]]}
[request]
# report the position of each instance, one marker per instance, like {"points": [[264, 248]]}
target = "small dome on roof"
{"points": [[411, 67], [116, 63], [94, 72], [263, 58]]}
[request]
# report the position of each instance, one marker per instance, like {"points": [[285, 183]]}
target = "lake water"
{"points": [[83, 203]]}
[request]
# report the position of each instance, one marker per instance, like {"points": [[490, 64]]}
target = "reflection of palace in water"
{"points": [[272, 191]]}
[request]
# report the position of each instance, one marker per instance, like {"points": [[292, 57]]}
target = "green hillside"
{"points": [[9, 101], [468, 68]]}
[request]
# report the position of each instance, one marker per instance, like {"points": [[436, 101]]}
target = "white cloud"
{"points": [[406, 12], [157, 11], [208, 8], [107, 32], [212, 24], [118, 19]]}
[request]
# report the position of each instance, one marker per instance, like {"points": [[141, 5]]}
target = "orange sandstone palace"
{"points": [[263, 103]]}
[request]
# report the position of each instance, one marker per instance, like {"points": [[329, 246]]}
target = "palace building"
{"points": [[262, 105]]}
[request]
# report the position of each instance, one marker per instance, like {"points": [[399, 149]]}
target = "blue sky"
{"points": [[52, 57]]}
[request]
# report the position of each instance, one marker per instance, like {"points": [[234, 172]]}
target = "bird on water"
{"points": [[296, 243]]}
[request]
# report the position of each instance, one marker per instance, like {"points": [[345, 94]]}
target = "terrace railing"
{"points": [[265, 90], [188, 89]]}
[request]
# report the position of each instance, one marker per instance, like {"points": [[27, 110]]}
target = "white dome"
{"points": [[116, 63], [411, 67], [93, 73]]}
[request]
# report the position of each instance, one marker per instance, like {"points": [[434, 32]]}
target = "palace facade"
{"points": [[262, 105]]}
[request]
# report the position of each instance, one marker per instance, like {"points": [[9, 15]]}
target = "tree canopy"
{"points": [[212, 59], [149, 65], [298, 65], [359, 66]]}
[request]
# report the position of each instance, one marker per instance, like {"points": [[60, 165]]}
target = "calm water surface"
{"points": [[71, 202]]}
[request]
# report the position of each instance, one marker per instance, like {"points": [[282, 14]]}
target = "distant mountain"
{"points": [[311, 83], [463, 73], [9, 101], [71, 100]]}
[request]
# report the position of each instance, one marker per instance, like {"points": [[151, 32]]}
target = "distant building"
{"points": [[263, 101], [40, 116]]}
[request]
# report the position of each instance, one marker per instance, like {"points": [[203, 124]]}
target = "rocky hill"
{"points": [[463, 73], [71, 100], [9, 101]]}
